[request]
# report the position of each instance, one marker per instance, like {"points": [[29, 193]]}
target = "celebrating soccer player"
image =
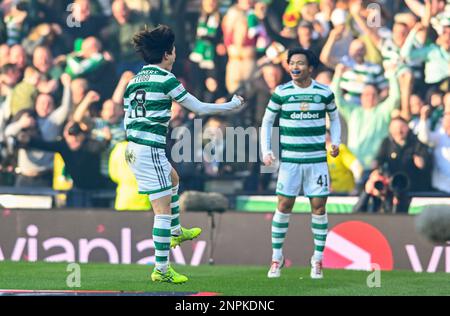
{"points": [[147, 103], [302, 104]]}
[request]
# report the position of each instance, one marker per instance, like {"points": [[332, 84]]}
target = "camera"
{"points": [[396, 183], [391, 196]]}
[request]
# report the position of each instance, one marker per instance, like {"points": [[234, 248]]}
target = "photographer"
{"points": [[82, 159], [402, 166]]}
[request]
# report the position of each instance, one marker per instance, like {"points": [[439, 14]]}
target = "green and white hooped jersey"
{"points": [[302, 121], [147, 104]]}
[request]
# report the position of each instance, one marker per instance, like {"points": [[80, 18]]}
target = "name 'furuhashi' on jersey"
{"points": [[147, 103]]}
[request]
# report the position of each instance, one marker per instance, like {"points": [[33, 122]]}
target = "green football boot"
{"points": [[186, 234], [171, 276]]}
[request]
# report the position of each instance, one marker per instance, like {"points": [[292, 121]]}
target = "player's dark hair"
{"points": [[310, 56], [152, 45]]}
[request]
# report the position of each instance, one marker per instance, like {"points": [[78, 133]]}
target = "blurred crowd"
{"points": [[64, 66]]}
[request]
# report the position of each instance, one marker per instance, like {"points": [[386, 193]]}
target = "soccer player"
{"points": [[147, 102], [302, 104]]}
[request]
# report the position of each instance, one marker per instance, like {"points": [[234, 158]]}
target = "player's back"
{"points": [[302, 121], [147, 105]]}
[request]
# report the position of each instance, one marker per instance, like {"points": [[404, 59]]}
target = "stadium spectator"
{"points": [[9, 77], [303, 38], [435, 55], [326, 77], [403, 152], [240, 44], [16, 23], [79, 88], [390, 47], [25, 92], [123, 24], [87, 60], [82, 159], [208, 30], [49, 30], [360, 73], [46, 122], [416, 104], [440, 141], [83, 23], [436, 101], [323, 17], [93, 65], [18, 57], [207, 55], [402, 166], [339, 39], [439, 12], [110, 122], [49, 35], [50, 73], [258, 91], [368, 123]]}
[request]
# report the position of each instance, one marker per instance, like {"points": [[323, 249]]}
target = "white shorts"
{"points": [[151, 169], [313, 176]]}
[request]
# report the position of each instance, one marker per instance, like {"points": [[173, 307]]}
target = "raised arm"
{"points": [[54, 146], [393, 100], [121, 87], [82, 108], [424, 131], [193, 104], [273, 34], [355, 9], [176, 91], [77, 68], [325, 55], [416, 7], [409, 52], [344, 107], [59, 116], [25, 121]]}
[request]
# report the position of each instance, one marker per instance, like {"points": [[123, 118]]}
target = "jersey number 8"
{"points": [[139, 109]]}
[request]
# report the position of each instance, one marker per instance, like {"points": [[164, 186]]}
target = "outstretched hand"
{"points": [[238, 100]]}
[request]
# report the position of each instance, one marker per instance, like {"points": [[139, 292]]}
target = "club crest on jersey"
{"points": [[317, 99]]}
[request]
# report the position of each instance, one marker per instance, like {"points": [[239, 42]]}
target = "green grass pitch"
{"points": [[226, 280]]}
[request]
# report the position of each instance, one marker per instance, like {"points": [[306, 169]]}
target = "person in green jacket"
{"points": [[435, 55], [368, 124], [127, 197]]}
